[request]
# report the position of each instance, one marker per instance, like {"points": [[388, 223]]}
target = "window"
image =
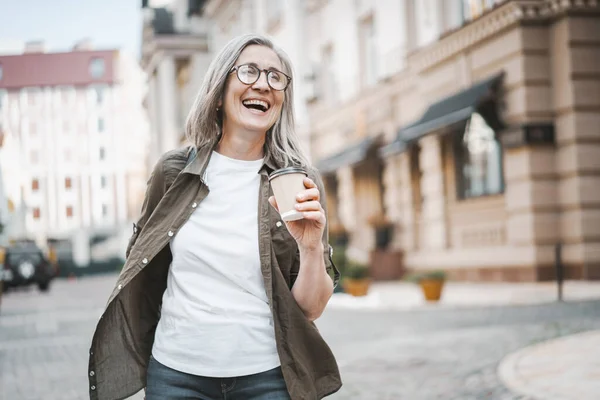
{"points": [[67, 94], [32, 128], [102, 153], [100, 124], [474, 8], [1, 72], [102, 182], [478, 160], [68, 155], [454, 14], [68, 183], [35, 185], [368, 52], [426, 22], [35, 158], [97, 68], [328, 83], [2, 92], [99, 91], [36, 213], [33, 96], [104, 210], [69, 211]]}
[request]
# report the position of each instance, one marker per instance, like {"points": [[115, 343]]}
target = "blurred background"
{"points": [[459, 142]]}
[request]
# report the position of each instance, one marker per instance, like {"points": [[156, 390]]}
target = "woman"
{"points": [[217, 298]]}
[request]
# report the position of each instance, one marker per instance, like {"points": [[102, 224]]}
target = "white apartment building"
{"points": [[76, 139]]}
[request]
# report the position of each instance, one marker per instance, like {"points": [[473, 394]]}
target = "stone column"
{"points": [[532, 226], [433, 235], [398, 200], [576, 101], [167, 103], [346, 212]]}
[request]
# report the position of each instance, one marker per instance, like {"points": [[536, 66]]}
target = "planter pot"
{"points": [[356, 287], [385, 265], [432, 289]]}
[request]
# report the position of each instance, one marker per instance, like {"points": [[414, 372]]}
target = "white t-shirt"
{"points": [[215, 319]]}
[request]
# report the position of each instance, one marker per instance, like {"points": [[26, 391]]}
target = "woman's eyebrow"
{"points": [[270, 67]]}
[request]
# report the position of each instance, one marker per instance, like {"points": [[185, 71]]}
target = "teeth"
{"points": [[258, 103]]}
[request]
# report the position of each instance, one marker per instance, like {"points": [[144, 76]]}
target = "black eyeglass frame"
{"points": [[260, 71]]}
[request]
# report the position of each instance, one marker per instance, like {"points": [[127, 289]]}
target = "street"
{"points": [[419, 354]]}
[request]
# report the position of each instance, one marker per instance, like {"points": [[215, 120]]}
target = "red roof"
{"points": [[53, 69]]}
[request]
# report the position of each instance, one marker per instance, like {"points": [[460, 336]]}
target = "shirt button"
{"points": [[120, 287], [93, 387], [194, 205], [145, 261], [92, 373], [170, 233], [278, 224]]}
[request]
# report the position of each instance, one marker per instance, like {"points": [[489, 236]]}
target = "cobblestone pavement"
{"points": [[415, 355]]}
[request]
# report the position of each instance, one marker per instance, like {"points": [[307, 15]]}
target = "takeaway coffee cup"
{"points": [[286, 184]]}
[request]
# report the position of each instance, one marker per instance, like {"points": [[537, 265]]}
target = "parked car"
{"points": [[25, 264]]}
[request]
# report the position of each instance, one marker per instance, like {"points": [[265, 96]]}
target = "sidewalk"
{"points": [[566, 368], [396, 295]]}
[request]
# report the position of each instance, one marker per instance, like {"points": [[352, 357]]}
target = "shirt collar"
{"points": [[198, 159]]}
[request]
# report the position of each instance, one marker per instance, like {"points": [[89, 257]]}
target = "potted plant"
{"points": [[356, 279], [383, 230], [431, 283]]}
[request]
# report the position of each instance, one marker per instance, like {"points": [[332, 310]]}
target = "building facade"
{"points": [[451, 134], [181, 37], [480, 152], [175, 57], [74, 153]]}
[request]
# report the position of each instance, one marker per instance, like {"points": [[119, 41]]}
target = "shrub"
{"points": [[436, 275], [355, 270]]}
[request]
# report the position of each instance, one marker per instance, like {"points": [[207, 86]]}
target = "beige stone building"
{"points": [[480, 147], [469, 129]]}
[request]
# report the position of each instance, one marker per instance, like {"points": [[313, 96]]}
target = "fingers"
{"points": [[311, 192], [309, 206], [314, 216]]}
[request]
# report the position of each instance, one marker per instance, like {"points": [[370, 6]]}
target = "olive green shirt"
{"points": [[123, 339]]}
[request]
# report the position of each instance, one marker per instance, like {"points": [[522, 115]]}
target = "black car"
{"points": [[25, 265]]}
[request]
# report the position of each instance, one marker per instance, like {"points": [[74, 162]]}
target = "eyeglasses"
{"points": [[249, 74]]}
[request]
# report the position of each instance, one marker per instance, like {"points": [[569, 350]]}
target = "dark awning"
{"points": [[451, 110], [349, 156]]}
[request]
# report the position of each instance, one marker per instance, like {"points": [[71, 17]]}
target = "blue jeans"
{"points": [[164, 383]]}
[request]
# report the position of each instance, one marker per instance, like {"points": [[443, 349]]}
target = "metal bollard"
{"points": [[559, 270]]}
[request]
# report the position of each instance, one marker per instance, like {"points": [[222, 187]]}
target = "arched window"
{"points": [[478, 160]]}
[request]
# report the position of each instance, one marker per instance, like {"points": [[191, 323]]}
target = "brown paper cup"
{"points": [[286, 184]]}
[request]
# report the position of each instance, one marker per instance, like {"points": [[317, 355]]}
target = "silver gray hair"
{"points": [[204, 122]]}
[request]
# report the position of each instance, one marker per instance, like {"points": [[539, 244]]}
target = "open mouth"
{"points": [[259, 105]]}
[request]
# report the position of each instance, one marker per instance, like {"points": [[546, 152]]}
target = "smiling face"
{"points": [[255, 107]]}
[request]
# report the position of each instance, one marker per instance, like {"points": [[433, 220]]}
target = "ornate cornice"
{"points": [[505, 15]]}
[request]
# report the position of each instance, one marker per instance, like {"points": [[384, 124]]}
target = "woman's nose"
{"points": [[261, 83]]}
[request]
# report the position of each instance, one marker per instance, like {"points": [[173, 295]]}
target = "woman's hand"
{"points": [[308, 231]]}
